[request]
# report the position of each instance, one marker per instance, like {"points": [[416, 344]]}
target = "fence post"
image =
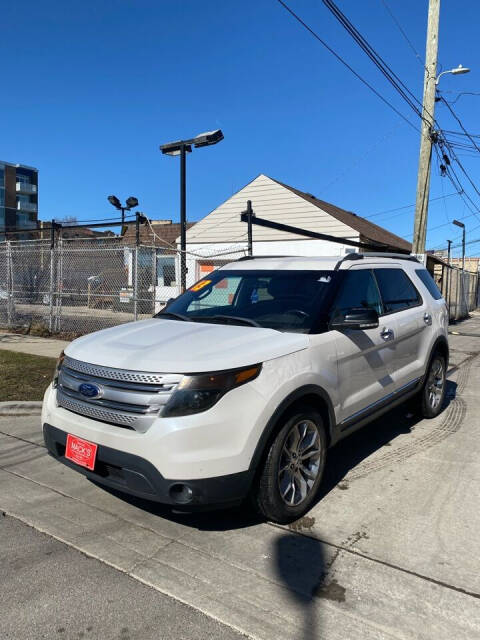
{"points": [[50, 294], [10, 308], [449, 302], [154, 278], [135, 283], [59, 291]]}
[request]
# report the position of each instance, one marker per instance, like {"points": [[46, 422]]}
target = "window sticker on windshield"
{"points": [[325, 279], [254, 296], [200, 285]]}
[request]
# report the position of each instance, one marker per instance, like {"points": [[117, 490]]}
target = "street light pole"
{"points": [[462, 227], [181, 148], [447, 284], [183, 217]]}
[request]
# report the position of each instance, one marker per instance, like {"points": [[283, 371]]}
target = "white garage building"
{"points": [[221, 237]]}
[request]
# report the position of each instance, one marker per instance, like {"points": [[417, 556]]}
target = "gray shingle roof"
{"points": [[368, 230]]}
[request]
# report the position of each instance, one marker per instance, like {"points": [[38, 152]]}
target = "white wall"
{"points": [[214, 251], [272, 201]]}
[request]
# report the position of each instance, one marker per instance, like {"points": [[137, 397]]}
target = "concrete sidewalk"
{"points": [[32, 345]]}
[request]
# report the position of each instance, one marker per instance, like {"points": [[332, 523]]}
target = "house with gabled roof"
{"points": [[221, 236]]}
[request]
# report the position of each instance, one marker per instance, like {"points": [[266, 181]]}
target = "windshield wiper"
{"points": [[221, 319], [172, 316]]}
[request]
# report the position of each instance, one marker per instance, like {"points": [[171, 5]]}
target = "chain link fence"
{"points": [[77, 286], [459, 288]]}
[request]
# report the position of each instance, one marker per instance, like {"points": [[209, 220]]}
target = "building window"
{"points": [[165, 271]]}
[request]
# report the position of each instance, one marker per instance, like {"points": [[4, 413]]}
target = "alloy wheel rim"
{"points": [[436, 383], [299, 463]]}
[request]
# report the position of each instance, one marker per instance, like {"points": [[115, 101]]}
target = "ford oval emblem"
{"points": [[90, 390]]}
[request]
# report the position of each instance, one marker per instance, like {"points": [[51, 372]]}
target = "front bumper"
{"points": [[136, 476]]}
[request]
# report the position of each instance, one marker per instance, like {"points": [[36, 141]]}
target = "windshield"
{"points": [[282, 300]]}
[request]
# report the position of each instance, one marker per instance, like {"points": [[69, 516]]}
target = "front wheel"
{"points": [[432, 395], [293, 468]]}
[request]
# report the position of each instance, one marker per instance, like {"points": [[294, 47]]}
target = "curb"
{"points": [[20, 408]]}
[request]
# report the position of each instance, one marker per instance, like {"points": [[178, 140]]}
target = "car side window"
{"points": [[430, 283], [358, 290], [397, 290]]}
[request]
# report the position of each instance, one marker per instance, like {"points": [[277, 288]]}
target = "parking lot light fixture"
{"points": [[129, 204], [181, 148]]}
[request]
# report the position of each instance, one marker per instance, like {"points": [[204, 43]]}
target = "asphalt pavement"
{"points": [[50, 590]]}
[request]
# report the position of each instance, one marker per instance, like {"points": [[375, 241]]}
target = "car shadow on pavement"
{"points": [[354, 449], [341, 459]]}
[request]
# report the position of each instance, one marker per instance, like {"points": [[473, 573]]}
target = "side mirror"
{"points": [[359, 319]]}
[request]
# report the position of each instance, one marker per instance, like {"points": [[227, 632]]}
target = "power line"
{"points": [[409, 206], [361, 158], [375, 57], [399, 26], [465, 93], [460, 123], [459, 133], [340, 59]]}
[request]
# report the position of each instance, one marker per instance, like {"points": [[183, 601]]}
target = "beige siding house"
{"points": [[221, 236]]}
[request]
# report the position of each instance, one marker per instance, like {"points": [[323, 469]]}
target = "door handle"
{"points": [[386, 333], [427, 318]]}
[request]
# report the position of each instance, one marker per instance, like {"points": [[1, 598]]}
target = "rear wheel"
{"points": [[293, 468], [432, 395]]}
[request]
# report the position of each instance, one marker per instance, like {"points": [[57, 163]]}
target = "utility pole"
{"points": [[428, 108]]}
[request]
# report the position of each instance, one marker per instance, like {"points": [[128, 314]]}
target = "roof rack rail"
{"points": [[376, 254], [263, 257]]}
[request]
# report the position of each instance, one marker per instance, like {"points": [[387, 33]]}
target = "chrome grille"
{"points": [[115, 374], [97, 413], [128, 398]]}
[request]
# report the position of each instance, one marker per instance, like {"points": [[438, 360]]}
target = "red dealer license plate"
{"points": [[81, 451]]}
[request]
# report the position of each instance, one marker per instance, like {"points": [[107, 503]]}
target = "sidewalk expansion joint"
{"points": [[384, 563]]}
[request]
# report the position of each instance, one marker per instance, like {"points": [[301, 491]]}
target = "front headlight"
{"points": [[57, 370], [198, 393]]}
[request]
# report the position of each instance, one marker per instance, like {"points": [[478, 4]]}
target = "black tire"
{"points": [[271, 480], [432, 395]]}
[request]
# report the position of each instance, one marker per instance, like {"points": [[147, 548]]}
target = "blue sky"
{"points": [[92, 88]]}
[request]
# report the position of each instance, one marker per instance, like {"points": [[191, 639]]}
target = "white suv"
{"points": [[240, 386]]}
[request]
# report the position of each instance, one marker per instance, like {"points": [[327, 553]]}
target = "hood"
{"points": [[174, 346]]}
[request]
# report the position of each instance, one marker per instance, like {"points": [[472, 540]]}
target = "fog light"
{"points": [[181, 493]]}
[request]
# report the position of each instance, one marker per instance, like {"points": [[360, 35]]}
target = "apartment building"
{"points": [[18, 197]]}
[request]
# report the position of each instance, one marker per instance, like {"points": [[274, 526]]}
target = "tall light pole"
{"points": [[462, 226], [181, 148], [430, 84]]}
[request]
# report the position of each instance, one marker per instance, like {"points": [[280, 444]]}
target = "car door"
{"points": [[363, 356], [403, 305]]}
